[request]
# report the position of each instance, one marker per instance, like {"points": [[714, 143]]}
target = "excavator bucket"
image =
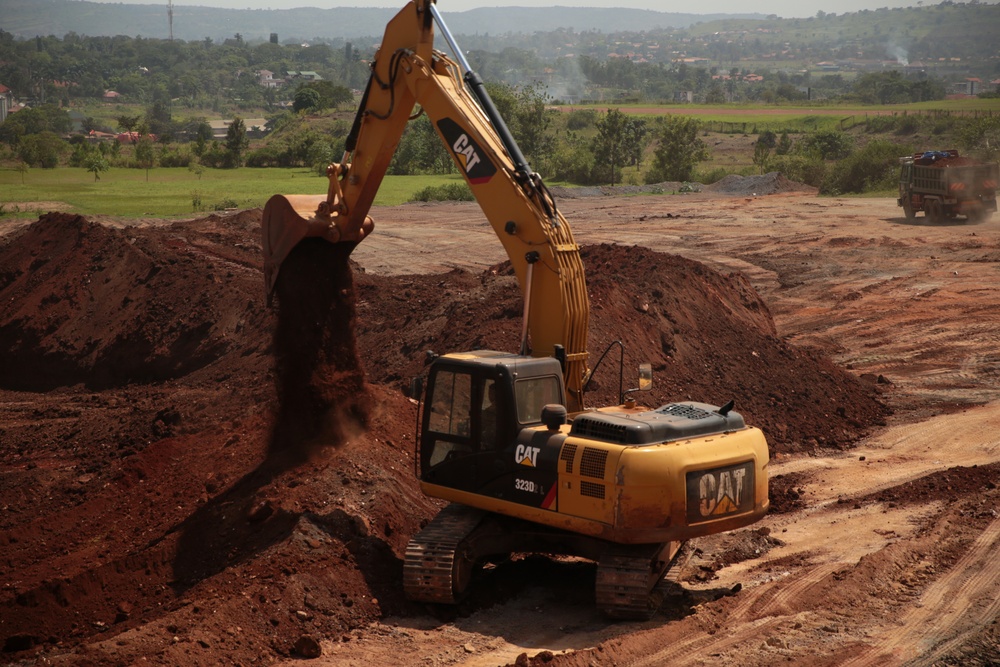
{"points": [[288, 219]]}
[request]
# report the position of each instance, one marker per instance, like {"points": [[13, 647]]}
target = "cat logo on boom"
{"points": [[468, 154]]}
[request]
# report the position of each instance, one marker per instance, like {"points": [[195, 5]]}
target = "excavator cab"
{"points": [[477, 406]]}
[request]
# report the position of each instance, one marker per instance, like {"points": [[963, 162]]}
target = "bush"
{"points": [[581, 119], [800, 168], [447, 192], [873, 168], [572, 161], [275, 154], [215, 156], [175, 157], [712, 175], [678, 149], [829, 145]]}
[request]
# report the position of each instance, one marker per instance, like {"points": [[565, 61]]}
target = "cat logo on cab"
{"points": [[526, 455]]}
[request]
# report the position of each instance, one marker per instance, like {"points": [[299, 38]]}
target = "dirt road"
{"points": [[859, 577]]}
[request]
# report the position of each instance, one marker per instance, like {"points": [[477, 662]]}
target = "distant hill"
{"points": [[29, 18]]}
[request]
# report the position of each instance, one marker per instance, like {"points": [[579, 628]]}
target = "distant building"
{"points": [[266, 79], [305, 76], [111, 96], [134, 137], [971, 86]]}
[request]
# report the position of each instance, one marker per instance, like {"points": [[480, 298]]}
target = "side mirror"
{"points": [[645, 384], [416, 387], [645, 377]]}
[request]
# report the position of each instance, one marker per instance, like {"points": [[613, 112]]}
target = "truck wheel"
{"points": [[908, 210], [933, 211]]}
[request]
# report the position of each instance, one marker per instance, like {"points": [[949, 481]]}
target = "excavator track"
{"points": [[627, 579], [438, 564]]}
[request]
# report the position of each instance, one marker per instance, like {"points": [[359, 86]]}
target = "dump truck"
{"points": [[945, 185]]}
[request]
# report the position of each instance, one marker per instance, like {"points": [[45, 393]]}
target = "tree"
{"points": [[236, 142], [34, 121], [42, 149], [615, 142], [829, 144], [306, 99], [523, 109], [762, 149], [96, 164], [331, 95], [761, 155], [145, 157], [128, 123], [784, 144], [420, 151], [678, 149], [981, 136]]}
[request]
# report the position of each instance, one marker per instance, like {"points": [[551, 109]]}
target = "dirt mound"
{"points": [[84, 303], [146, 390], [764, 184], [709, 337], [948, 485]]}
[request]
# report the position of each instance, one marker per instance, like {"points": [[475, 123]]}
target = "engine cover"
{"points": [[674, 421]]}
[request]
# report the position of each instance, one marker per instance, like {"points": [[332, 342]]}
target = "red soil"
{"points": [[167, 489]]}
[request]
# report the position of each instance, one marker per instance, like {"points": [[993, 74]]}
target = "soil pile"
{"points": [[149, 507], [765, 184], [709, 338], [942, 160], [88, 304]]}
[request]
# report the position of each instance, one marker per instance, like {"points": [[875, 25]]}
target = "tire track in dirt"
{"points": [[948, 608], [758, 613], [704, 644], [786, 599]]}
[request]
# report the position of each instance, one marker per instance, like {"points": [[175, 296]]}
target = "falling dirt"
{"points": [[322, 398], [188, 477]]}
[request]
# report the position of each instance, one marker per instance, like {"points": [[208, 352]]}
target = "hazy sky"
{"points": [[783, 8]]}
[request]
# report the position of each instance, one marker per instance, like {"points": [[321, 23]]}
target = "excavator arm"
{"points": [[408, 71]]}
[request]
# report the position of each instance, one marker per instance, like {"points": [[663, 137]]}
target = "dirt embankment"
{"points": [[150, 403]]}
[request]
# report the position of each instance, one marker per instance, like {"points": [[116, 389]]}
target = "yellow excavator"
{"points": [[507, 437]]}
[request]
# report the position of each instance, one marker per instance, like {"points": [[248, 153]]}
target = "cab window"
{"points": [[451, 403], [532, 394]]}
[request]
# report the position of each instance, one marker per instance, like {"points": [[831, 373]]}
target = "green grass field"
{"points": [[175, 192]]}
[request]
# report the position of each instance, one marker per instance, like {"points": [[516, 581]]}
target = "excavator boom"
{"points": [[408, 71]]}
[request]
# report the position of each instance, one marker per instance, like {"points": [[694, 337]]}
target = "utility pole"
{"points": [[170, 17]]}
